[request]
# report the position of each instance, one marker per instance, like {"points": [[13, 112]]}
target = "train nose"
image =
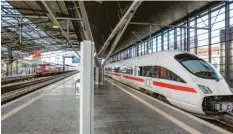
{"points": [[211, 87]]}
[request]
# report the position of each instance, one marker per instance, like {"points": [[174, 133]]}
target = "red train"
{"points": [[44, 69]]}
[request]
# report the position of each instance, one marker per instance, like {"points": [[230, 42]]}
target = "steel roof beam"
{"points": [[55, 20], [175, 26], [38, 17], [117, 39], [26, 24], [133, 8], [70, 7], [86, 27]]}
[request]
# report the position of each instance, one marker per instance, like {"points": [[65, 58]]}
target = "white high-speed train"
{"points": [[181, 78]]}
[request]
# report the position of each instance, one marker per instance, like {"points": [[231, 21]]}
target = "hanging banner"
{"points": [[75, 60]]}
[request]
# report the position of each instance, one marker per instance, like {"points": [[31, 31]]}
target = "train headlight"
{"points": [[205, 89]]}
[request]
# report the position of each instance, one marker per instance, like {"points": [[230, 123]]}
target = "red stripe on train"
{"points": [[174, 87], [134, 78], [116, 74]]}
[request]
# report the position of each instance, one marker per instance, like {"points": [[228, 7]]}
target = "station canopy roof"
{"points": [[41, 31]]}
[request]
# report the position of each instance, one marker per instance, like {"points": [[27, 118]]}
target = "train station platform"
{"points": [[118, 109], [16, 77]]}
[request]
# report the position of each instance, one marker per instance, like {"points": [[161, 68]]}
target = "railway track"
{"points": [[15, 90], [225, 121]]}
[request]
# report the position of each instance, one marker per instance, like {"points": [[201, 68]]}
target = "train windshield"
{"points": [[39, 67], [198, 66]]}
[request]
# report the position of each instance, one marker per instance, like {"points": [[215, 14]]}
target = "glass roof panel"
{"points": [[29, 31]]}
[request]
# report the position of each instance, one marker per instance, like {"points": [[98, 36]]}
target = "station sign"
{"points": [[36, 55], [75, 60]]}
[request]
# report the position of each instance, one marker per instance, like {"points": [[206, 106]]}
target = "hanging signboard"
{"points": [[36, 55], [76, 60]]}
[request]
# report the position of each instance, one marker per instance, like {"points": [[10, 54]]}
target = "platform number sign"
{"points": [[148, 82]]}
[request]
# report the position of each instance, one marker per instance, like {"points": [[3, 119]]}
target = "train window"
{"points": [[39, 67], [197, 66], [129, 70], [123, 69], [113, 69], [159, 72], [117, 69], [153, 72], [148, 71], [142, 71], [174, 77], [163, 73]]}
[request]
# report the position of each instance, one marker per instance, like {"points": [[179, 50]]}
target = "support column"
{"points": [[195, 36], [162, 43], [17, 69], [10, 68], [227, 43], [209, 37], [101, 73], [63, 64], [97, 75], [188, 35], [10, 60], [7, 69], [87, 88]]}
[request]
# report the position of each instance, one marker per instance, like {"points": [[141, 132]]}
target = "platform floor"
{"points": [[55, 110], [15, 75]]}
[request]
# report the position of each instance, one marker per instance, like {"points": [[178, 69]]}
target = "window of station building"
{"points": [[165, 40], [218, 37], [179, 41], [139, 49], [202, 36], [154, 44], [171, 39], [150, 45], [159, 43], [146, 46], [143, 48]]}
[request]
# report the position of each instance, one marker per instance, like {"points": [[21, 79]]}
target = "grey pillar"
{"points": [[63, 64], [7, 69], [11, 68], [97, 75], [227, 43], [101, 73], [17, 62], [87, 88]]}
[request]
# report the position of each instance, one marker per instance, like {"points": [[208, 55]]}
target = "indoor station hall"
{"points": [[116, 67]]}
